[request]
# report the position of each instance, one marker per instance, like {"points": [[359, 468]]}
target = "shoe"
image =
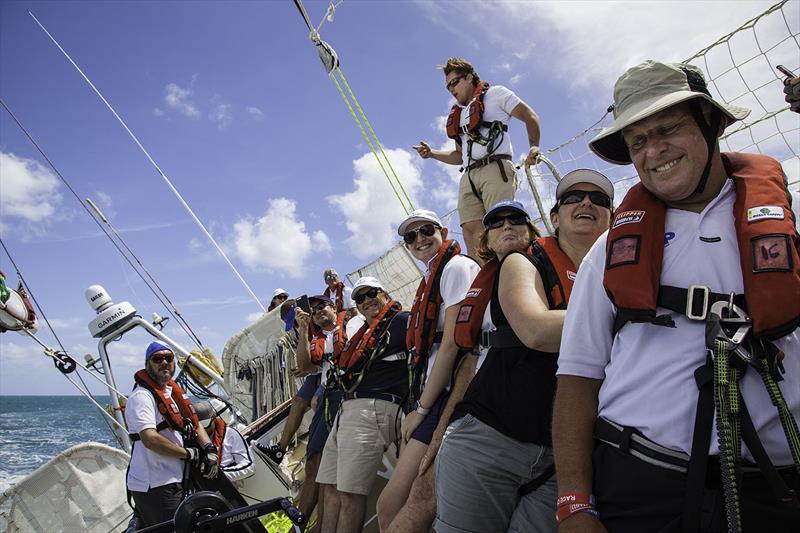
{"points": [[274, 452]]}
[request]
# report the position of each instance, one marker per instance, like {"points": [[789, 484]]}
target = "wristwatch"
{"points": [[422, 410]]}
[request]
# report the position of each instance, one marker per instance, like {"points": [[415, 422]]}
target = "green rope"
{"points": [[788, 422], [377, 141], [366, 137], [725, 390]]}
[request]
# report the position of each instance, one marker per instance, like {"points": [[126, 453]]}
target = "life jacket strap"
{"points": [[160, 427], [502, 337]]}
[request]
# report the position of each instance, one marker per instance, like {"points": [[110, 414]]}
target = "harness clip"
{"points": [[737, 318]]}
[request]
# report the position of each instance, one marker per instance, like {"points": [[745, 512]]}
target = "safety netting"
{"points": [[80, 489]]}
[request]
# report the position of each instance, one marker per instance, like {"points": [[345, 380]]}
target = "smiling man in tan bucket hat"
{"points": [[707, 242]]}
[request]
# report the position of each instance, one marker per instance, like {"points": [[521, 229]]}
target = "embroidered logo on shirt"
{"points": [[668, 236], [710, 239], [628, 217], [754, 214]]}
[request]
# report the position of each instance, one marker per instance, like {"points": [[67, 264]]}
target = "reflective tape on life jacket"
{"points": [[318, 337], [175, 408], [768, 249], [558, 275], [424, 315], [339, 295]]}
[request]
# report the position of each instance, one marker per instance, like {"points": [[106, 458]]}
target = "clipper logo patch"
{"points": [[771, 254], [571, 275], [465, 312], [473, 293], [762, 212], [628, 217], [624, 251]]}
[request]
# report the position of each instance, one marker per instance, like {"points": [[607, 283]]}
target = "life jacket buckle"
{"points": [[486, 338], [690, 296]]}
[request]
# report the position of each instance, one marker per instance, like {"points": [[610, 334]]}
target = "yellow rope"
{"points": [[377, 141], [366, 137]]}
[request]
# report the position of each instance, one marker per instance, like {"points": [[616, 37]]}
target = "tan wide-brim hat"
{"points": [[646, 89]]}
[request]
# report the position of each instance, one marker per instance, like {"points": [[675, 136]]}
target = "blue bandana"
{"points": [[155, 346]]}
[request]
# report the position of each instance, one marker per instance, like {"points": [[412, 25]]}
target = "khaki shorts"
{"points": [[490, 185], [361, 433]]}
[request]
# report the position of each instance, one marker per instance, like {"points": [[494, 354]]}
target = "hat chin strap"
{"points": [[709, 132]]}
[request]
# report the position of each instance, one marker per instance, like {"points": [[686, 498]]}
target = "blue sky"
{"points": [[231, 100]]}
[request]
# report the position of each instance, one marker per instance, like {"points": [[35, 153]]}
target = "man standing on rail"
{"points": [[478, 124], [685, 311]]}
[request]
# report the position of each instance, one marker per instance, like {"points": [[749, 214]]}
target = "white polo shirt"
{"points": [[648, 370], [237, 462], [457, 277], [149, 469], [498, 104]]}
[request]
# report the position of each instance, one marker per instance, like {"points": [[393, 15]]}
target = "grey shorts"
{"points": [[479, 472], [361, 434]]}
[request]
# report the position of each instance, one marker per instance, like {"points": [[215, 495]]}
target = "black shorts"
{"points": [[425, 429], [318, 432]]}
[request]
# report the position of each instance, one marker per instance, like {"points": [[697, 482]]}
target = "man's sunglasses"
{"points": [[319, 307], [598, 198], [158, 359], [514, 220], [427, 230], [361, 296], [452, 83]]}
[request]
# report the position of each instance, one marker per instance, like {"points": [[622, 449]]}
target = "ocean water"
{"points": [[34, 429]]}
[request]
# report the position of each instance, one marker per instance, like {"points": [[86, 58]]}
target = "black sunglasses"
{"points": [[598, 198], [360, 297], [452, 83], [427, 230], [319, 307], [514, 220]]}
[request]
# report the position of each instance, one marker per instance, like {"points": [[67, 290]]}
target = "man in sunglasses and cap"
{"points": [[337, 291], [478, 123], [373, 377], [159, 414], [691, 299]]}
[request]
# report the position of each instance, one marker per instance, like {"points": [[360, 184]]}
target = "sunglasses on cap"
{"points": [[158, 359], [427, 230], [498, 221], [598, 198], [360, 297], [452, 83]]}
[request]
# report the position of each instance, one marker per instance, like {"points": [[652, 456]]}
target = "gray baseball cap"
{"points": [[647, 89]]}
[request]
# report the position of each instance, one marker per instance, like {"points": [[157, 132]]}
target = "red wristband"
{"points": [[573, 502]]}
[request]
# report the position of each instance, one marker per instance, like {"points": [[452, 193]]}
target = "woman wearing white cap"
{"points": [[495, 469], [432, 353]]}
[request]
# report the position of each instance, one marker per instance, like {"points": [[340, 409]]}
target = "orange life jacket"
{"points": [[339, 295], [318, 337], [768, 249], [558, 275], [361, 347], [175, 408], [218, 436], [476, 107], [425, 309]]}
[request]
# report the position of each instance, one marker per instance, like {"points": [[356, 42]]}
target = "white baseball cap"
{"points": [[367, 281], [418, 215], [278, 292], [585, 175]]}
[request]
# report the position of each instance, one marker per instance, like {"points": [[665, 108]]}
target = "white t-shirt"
{"points": [[237, 462], [456, 280], [352, 326], [498, 103], [149, 469], [648, 370], [347, 296]]}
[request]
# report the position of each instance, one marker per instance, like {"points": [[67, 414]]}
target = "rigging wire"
{"points": [[333, 71], [173, 312], [52, 331], [155, 165]]}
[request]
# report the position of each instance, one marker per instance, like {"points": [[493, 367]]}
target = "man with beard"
{"points": [[159, 414]]}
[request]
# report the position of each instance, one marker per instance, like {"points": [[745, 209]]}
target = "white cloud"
{"points": [[371, 210], [158, 112], [105, 203], [277, 240], [177, 98], [222, 115], [28, 190], [255, 112], [515, 79], [252, 317]]}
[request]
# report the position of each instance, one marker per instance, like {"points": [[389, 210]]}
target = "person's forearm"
{"points": [[303, 354], [202, 436], [574, 415], [451, 157], [162, 445]]}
